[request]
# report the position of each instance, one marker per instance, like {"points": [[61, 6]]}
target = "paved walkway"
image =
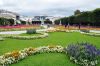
{"points": [[24, 31], [41, 30], [95, 31], [20, 32], [13, 32]]}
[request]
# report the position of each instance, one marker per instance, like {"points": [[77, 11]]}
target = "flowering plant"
{"points": [[83, 53], [43, 35], [15, 56], [1, 39], [91, 34]]}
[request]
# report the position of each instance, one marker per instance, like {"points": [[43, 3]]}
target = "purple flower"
{"points": [[98, 52]]}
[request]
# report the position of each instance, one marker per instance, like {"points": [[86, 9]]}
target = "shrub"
{"points": [[84, 54], [1, 39], [86, 31], [31, 31]]}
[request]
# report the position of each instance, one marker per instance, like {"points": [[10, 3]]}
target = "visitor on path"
{"points": [[65, 25], [79, 26]]}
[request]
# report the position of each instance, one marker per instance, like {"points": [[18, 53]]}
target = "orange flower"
{"points": [[15, 54]]}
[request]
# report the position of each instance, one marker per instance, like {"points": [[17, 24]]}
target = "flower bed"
{"points": [[15, 56], [83, 54], [43, 35], [62, 30], [20, 28], [1, 39], [91, 34]]}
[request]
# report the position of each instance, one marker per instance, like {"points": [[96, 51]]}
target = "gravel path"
{"points": [[13, 32], [41, 30], [95, 31], [20, 32]]}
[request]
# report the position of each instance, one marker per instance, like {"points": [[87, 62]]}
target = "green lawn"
{"points": [[47, 59], [25, 34]]}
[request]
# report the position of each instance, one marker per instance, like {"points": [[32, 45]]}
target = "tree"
{"points": [[96, 14], [77, 12], [71, 19], [83, 18]]}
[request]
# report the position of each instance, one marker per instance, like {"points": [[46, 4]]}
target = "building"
{"points": [[9, 15], [39, 18], [44, 18], [28, 20]]}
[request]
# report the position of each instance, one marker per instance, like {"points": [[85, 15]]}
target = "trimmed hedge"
{"points": [[31, 31]]}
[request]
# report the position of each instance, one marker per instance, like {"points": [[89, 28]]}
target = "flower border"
{"points": [[1, 39], [25, 37], [16, 56], [91, 34]]}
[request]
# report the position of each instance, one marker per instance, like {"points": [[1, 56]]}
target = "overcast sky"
{"points": [[48, 7]]}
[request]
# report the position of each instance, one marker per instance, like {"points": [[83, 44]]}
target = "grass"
{"points": [[25, 34], [49, 59]]}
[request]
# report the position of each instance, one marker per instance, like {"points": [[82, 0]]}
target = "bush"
{"points": [[1, 39], [86, 31], [31, 31], [84, 54]]}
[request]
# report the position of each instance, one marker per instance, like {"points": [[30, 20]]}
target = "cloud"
{"points": [[48, 7]]}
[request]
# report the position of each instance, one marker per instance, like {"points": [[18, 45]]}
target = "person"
{"points": [[65, 25], [79, 26]]}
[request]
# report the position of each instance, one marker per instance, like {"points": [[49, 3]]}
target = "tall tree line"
{"points": [[82, 18]]}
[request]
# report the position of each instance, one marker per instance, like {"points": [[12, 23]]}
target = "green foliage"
{"points": [[71, 19], [86, 31], [57, 22], [86, 17], [83, 54], [23, 22], [4, 21], [25, 34], [39, 60], [1, 39], [31, 31], [96, 14], [77, 12]]}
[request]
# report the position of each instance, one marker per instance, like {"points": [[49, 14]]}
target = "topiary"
{"points": [[31, 31], [86, 31]]}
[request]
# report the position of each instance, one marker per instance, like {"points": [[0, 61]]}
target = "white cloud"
{"points": [[48, 7], [1, 2]]}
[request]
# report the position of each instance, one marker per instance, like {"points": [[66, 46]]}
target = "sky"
{"points": [[48, 7]]}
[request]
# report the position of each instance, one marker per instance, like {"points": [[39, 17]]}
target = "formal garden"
{"points": [[76, 42], [52, 47]]}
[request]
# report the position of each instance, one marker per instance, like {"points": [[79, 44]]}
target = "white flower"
{"points": [[9, 59], [93, 63]]}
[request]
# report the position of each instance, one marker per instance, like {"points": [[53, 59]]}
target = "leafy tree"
{"points": [[77, 12], [96, 14]]}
